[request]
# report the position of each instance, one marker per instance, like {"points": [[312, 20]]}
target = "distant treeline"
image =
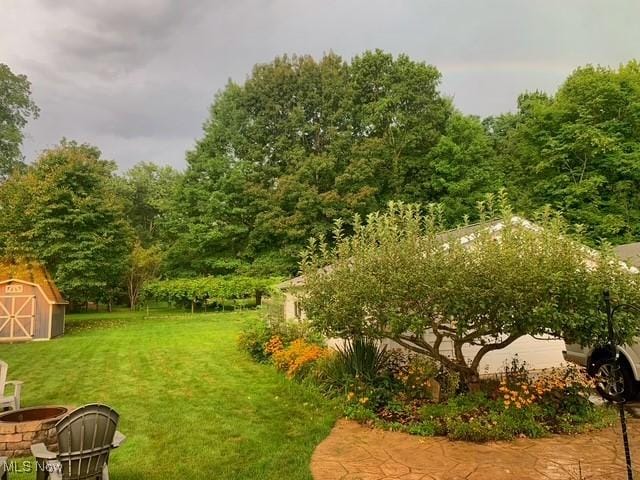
{"points": [[303, 142]]}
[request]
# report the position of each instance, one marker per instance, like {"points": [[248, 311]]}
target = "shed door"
{"points": [[17, 316]]}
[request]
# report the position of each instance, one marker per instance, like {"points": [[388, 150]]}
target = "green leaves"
{"points": [[202, 290], [574, 151], [66, 212], [400, 276], [304, 141], [16, 107]]}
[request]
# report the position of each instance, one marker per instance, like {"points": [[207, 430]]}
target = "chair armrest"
{"points": [[17, 384], [118, 439], [39, 450]]}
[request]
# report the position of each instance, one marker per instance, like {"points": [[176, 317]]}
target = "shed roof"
{"points": [[31, 272]]}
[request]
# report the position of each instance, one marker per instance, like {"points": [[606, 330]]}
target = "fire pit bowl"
{"points": [[19, 429]]}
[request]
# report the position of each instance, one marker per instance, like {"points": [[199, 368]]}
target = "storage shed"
{"points": [[31, 306]]}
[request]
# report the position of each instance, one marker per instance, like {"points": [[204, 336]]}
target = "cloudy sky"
{"points": [[136, 77]]}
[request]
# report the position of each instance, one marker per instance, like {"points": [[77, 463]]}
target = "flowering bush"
{"points": [[274, 345], [257, 334], [374, 396], [551, 387], [297, 357], [554, 401], [418, 378]]}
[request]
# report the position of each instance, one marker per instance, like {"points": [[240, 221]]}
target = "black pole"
{"points": [[625, 440], [623, 399]]}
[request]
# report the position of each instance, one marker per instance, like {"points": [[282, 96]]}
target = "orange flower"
{"points": [[297, 356], [274, 345]]}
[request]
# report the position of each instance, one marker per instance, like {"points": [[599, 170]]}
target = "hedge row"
{"points": [[207, 290]]}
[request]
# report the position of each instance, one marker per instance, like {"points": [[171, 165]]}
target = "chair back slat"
{"points": [[84, 440], [4, 368]]}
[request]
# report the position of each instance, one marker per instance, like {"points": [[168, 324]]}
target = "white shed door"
{"points": [[17, 316]]}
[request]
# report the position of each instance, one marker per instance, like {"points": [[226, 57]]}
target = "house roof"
{"points": [[464, 234], [629, 253], [33, 273]]}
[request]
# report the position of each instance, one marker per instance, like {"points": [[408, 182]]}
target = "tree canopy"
{"points": [[303, 142], [65, 210], [578, 151], [433, 291], [16, 107]]}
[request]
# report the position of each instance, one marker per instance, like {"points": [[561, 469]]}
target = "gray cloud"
{"points": [[124, 35], [136, 77]]}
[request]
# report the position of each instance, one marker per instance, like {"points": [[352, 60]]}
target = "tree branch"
{"points": [[418, 345], [491, 347]]}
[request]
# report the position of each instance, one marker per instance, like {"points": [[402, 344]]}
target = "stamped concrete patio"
{"points": [[355, 452]]}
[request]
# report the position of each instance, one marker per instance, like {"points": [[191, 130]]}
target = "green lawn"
{"points": [[192, 405]]}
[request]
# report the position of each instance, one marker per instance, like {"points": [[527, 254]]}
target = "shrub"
{"points": [[363, 358], [399, 274], [418, 377], [296, 358], [253, 338], [256, 335], [359, 413], [361, 369], [478, 418], [330, 373]]}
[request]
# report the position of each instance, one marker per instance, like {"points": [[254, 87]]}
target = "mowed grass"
{"points": [[192, 405]]}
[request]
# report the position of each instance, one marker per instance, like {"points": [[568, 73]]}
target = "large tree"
{"points": [[304, 141], [16, 106], [66, 211], [150, 190], [470, 292], [578, 150]]}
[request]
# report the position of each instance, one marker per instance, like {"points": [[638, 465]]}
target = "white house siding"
{"points": [[536, 353]]}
